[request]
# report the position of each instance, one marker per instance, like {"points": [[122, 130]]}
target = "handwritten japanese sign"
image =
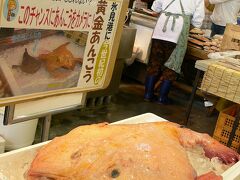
{"points": [[99, 19], [48, 14]]}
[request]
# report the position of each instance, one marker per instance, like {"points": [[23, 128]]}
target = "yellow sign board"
{"points": [[53, 47]]}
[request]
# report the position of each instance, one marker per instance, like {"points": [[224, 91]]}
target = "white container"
{"points": [[2, 145], [17, 135], [14, 164]]}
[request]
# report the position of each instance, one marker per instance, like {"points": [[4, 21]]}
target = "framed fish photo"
{"points": [[56, 47]]}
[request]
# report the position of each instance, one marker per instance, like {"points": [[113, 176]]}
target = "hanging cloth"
{"points": [[175, 60], [169, 25]]}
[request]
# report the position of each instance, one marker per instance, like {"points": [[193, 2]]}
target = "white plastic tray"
{"points": [[233, 173], [144, 118], [14, 164]]}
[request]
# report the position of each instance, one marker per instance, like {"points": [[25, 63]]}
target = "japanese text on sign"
{"points": [[75, 1], [95, 38], [111, 21], [55, 17]]}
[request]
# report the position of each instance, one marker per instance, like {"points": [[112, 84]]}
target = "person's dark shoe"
{"points": [[163, 93], [149, 88]]}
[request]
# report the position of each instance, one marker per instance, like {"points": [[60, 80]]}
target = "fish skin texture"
{"points": [[142, 151]]}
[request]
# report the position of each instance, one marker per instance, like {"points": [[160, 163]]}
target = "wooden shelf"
{"points": [[197, 54]]}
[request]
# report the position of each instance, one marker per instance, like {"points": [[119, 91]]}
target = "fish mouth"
{"points": [[45, 176]]}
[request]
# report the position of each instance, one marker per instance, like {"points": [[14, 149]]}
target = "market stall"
{"points": [[199, 46], [224, 86], [57, 54], [221, 78]]}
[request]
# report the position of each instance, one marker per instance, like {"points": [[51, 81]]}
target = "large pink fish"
{"points": [[151, 151]]}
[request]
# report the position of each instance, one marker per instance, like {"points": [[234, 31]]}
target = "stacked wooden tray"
{"points": [[223, 79]]}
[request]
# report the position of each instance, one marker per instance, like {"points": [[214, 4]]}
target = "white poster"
{"points": [[51, 46]]}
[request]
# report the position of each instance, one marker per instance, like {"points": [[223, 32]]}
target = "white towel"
{"points": [[169, 35]]}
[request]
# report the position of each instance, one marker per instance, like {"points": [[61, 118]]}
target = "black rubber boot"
{"points": [[149, 88], [163, 93]]}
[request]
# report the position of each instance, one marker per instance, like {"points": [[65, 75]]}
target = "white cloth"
{"points": [[195, 8], [169, 35], [225, 11]]}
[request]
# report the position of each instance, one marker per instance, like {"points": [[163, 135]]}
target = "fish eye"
{"points": [[115, 173]]}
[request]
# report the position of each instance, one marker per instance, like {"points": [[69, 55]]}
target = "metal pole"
{"points": [[46, 127], [190, 103], [9, 115], [235, 127]]}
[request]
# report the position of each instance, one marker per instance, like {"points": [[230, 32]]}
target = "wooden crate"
{"points": [[224, 127], [231, 38]]}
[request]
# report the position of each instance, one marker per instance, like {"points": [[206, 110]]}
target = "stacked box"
{"points": [[224, 127], [223, 82]]}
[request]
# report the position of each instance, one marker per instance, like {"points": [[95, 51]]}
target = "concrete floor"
{"points": [[128, 102]]}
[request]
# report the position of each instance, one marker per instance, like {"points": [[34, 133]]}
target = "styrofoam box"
{"points": [[14, 164], [17, 135], [2, 145]]}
